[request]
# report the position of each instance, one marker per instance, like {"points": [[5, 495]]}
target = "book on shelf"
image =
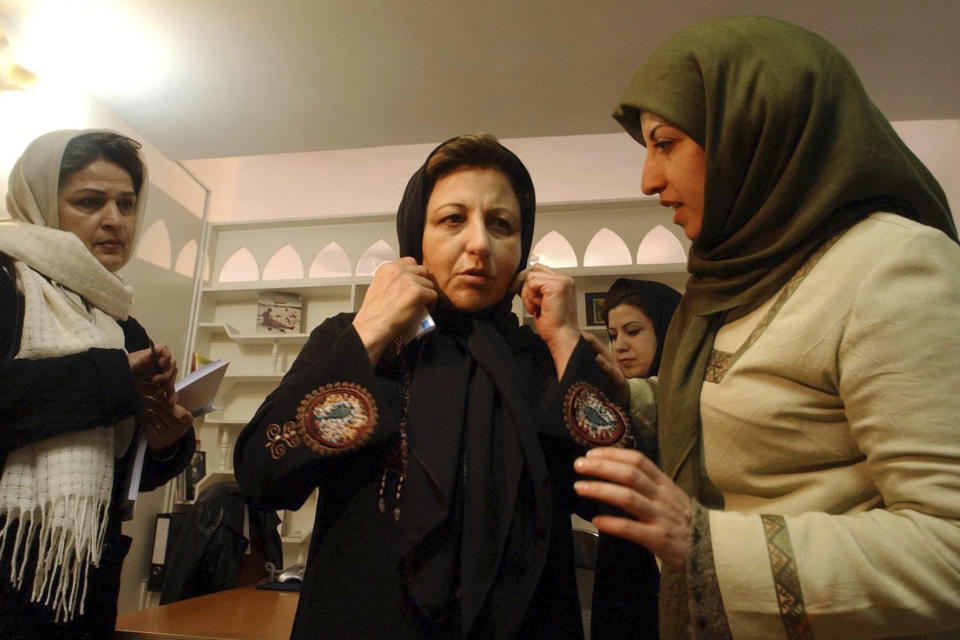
{"points": [[186, 484], [279, 312], [197, 360]]}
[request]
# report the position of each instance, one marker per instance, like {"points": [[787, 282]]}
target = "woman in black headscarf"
{"points": [[807, 407], [443, 463], [636, 314]]}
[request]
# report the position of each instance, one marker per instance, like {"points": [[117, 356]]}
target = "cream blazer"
{"points": [[835, 407]]}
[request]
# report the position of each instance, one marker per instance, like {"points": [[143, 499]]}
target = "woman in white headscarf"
{"points": [[81, 382]]}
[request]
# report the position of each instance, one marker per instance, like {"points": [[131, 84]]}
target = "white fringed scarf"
{"points": [[55, 493]]}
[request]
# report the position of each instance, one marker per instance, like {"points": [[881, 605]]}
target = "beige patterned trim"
{"points": [[721, 361], [786, 578]]}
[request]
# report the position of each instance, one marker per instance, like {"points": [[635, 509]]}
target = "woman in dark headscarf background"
{"points": [[444, 463], [807, 405], [636, 314]]}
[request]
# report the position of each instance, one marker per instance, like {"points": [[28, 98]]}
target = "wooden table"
{"points": [[243, 613]]}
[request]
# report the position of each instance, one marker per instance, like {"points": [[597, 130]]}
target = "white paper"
{"points": [[198, 389]]}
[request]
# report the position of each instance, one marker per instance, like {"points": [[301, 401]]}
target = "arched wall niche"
{"points": [[375, 255], [154, 245], [331, 261], [554, 250], [606, 248], [241, 266], [660, 246], [284, 264]]}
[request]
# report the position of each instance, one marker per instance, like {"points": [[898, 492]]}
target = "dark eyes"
{"points": [[95, 203], [632, 331], [501, 224], [453, 218], [664, 145]]}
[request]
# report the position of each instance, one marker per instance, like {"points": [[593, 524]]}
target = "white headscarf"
{"points": [[55, 493]]}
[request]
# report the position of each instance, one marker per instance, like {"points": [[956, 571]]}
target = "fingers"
{"points": [[549, 293], [625, 456], [633, 473], [626, 528], [164, 423], [661, 512], [625, 498]]}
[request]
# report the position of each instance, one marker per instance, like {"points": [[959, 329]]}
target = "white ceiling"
{"points": [[241, 77]]}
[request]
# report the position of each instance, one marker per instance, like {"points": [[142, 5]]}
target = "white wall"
{"points": [[564, 169], [163, 297], [325, 183]]}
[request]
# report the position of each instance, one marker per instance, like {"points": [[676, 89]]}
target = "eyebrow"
{"points": [[102, 192]]}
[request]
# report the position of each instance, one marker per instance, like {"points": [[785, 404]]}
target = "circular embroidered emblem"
{"points": [[591, 418], [336, 418]]}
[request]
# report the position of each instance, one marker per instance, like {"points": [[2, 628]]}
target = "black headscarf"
{"points": [[475, 497], [796, 153], [657, 300]]}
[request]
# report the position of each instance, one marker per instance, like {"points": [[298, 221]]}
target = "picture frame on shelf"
{"points": [[592, 303], [279, 312]]}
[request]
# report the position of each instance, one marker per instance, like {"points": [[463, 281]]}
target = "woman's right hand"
{"points": [[148, 378], [655, 512], [401, 292]]}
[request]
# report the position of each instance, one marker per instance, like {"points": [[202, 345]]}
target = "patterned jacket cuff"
{"points": [[703, 588]]}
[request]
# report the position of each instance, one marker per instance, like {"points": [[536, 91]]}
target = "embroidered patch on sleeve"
{"points": [[786, 578], [336, 418], [592, 419], [279, 439]]}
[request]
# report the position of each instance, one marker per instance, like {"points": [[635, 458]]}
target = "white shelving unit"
{"points": [[224, 322]]}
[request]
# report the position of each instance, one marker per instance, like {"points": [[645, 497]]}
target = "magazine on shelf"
{"points": [[198, 388], [279, 312]]}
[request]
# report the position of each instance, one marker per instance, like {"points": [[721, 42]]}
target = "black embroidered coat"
{"points": [[334, 423]]}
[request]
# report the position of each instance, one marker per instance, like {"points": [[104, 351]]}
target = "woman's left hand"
{"points": [[627, 479], [165, 421], [551, 298]]}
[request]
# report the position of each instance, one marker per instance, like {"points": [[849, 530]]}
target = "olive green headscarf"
{"points": [[795, 153]]}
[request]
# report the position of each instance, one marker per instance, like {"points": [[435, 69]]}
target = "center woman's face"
{"points": [[99, 206], [632, 339], [471, 237]]}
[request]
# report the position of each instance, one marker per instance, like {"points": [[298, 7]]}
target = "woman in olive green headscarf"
{"points": [[807, 398]]}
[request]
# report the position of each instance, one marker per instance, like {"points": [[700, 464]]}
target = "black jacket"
{"points": [[353, 585], [207, 553]]}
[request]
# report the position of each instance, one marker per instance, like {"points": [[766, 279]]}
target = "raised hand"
{"points": [[401, 292], [657, 513], [551, 298]]}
